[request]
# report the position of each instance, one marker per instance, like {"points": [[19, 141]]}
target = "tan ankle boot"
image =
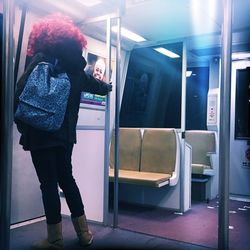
{"points": [[81, 227], [54, 240]]}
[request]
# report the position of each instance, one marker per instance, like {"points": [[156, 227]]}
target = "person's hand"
{"points": [[109, 86]]}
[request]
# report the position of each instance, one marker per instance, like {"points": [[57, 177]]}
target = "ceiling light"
{"points": [[240, 55], [88, 3], [167, 52], [129, 34], [188, 73]]}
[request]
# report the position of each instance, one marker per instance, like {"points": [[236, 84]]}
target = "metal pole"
{"points": [[107, 128], [20, 41], [6, 123], [225, 96], [183, 126], [117, 121]]}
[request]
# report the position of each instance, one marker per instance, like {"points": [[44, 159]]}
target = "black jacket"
{"points": [[31, 138]]}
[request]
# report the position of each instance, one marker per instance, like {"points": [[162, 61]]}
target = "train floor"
{"points": [[198, 226], [104, 238], [151, 228]]}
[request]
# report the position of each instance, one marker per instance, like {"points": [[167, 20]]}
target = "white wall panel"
{"points": [[26, 198], [88, 161]]}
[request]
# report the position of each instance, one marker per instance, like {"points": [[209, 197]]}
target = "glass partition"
{"points": [[152, 93]]}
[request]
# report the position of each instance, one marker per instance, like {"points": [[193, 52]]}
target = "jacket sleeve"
{"points": [[93, 85]]}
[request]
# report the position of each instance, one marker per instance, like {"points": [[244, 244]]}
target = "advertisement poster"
{"points": [[96, 66]]}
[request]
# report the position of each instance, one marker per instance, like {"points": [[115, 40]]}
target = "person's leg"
{"points": [[73, 197], [45, 163], [67, 182]]}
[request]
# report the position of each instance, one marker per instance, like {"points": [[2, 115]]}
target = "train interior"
{"points": [[166, 107]]}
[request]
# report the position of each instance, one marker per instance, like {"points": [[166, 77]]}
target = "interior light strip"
{"points": [[188, 73], [166, 52], [89, 3], [129, 34], [240, 55]]}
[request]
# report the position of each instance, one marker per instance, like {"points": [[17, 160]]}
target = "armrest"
{"points": [[175, 175], [210, 156]]}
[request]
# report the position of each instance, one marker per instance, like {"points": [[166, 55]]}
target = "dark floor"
{"points": [[198, 226], [104, 238], [153, 228]]}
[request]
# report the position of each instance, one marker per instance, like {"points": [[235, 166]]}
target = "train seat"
{"points": [[130, 141], [149, 157], [203, 147], [160, 153]]}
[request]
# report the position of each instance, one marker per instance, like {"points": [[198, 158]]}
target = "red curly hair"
{"points": [[51, 32]]}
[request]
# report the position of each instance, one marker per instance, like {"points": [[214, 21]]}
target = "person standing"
{"points": [[55, 39]]}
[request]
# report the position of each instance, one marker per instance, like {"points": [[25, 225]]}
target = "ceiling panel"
{"points": [[199, 22]]}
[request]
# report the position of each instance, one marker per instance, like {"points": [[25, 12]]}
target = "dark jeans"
{"points": [[53, 167]]}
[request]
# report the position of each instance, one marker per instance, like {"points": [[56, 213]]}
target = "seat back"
{"points": [[159, 151], [129, 149], [203, 143]]}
